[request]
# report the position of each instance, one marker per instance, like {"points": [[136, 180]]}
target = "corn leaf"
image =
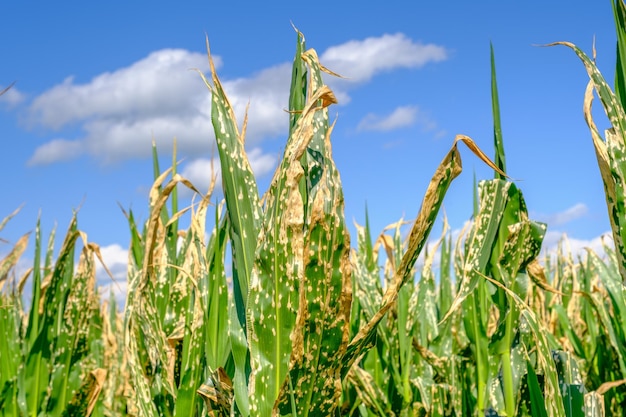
{"points": [[610, 152], [445, 173]]}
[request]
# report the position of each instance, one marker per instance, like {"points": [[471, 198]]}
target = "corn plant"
{"points": [[294, 286], [585, 312], [509, 338], [280, 341], [52, 356], [610, 150], [273, 313], [175, 322]]}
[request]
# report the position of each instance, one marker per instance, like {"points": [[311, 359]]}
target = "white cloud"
{"points": [[574, 212], [268, 95], [401, 117], [57, 150], [120, 113], [120, 119], [574, 246], [11, 97], [199, 170], [158, 85], [360, 60], [261, 163], [116, 259], [119, 291]]}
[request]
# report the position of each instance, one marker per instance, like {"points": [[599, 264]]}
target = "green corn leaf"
{"points": [[151, 357], [500, 160], [34, 316], [475, 316], [537, 401], [298, 90], [189, 337], [567, 327], [369, 392], [72, 363], [368, 289], [445, 289], [616, 292], [35, 376], [594, 405], [215, 295], [570, 381], [136, 242], [544, 347], [612, 332], [244, 220], [10, 352], [239, 185], [442, 406], [84, 399], [423, 307], [619, 13]]}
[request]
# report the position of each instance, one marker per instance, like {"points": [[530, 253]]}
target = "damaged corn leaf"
{"points": [[81, 319], [544, 347], [610, 151], [322, 323], [279, 266], [12, 258], [153, 341], [493, 196], [446, 172], [56, 349], [217, 393]]}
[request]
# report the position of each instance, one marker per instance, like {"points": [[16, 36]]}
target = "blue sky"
{"points": [[96, 83]]}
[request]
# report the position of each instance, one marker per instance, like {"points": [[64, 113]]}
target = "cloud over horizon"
{"points": [[116, 259]]}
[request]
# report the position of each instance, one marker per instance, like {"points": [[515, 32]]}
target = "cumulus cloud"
{"points": [[401, 117], [157, 85], [360, 60], [116, 259], [156, 99], [554, 238], [267, 93], [120, 113], [574, 212], [10, 95], [199, 170], [57, 150], [575, 246]]}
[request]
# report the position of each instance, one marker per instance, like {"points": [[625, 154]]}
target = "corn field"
{"points": [[263, 306]]}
